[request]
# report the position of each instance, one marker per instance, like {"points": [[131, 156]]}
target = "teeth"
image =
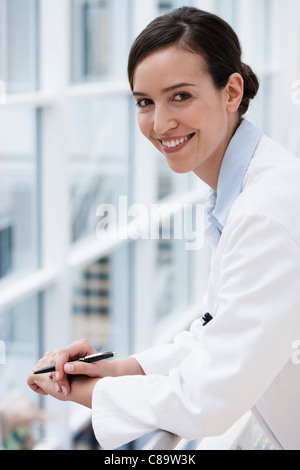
{"points": [[174, 143]]}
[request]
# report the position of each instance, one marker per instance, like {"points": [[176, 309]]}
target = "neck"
{"points": [[210, 170]]}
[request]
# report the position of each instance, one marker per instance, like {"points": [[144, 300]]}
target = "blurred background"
{"points": [[69, 143]]}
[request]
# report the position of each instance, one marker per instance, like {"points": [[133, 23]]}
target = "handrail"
{"points": [[162, 440], [245, 434]]}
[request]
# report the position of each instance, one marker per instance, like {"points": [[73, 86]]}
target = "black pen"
{"points": [[92, 358]]}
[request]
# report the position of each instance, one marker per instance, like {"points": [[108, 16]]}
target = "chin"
{"points": [[180, 169]]}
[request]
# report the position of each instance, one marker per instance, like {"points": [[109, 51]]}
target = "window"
{"points": [[18, 45], [164, 6], [100, 303], [92, 304], [18, 192], [5, 251], [20, 332], [172, 277], [99, 148], [256, 33], [99, 39]]}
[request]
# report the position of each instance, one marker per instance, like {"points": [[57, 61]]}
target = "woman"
{"points": [[192, 91]]}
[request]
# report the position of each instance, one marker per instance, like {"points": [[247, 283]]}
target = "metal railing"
{"points": [[245, 434], [162, 440]]}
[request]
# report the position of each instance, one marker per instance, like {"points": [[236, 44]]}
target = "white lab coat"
{"points": [[203, 382]]}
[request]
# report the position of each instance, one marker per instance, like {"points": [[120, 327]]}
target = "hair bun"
{"points": [[251, 87]]}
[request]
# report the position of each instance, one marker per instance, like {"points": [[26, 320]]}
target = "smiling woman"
{"points": [[204, 34], [190, 118], [192, 91], [190, 122]]}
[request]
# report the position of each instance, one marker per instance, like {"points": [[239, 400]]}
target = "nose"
{"points": [[163, 120]]}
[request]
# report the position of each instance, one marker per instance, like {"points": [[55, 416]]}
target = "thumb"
{"points": [[82, 368]]}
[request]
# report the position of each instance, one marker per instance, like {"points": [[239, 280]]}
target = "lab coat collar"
{"points": [[235, 164]]}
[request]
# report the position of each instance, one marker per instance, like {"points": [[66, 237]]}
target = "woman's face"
{"points": [[182, 113]]}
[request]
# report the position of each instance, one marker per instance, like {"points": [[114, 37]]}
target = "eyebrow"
{"points": [[165, 90]]}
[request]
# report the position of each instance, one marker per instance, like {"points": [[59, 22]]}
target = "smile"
{"points": [[176, 143]]}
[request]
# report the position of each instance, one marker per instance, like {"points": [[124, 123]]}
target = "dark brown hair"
{"points": [[202, 33]]}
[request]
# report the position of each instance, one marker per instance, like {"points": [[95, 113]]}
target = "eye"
{"points": [[143, 103], [181, 96]]}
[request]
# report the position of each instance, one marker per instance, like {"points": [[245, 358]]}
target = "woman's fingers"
{"points": [[32, 384], [95, 369], [75, 350], [59, 358]]}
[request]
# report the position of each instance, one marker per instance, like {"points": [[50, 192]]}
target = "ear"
{"points": [[235, 92]]}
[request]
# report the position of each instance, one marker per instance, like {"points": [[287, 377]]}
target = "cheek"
{"points": [[193, 117], [144, 123]]}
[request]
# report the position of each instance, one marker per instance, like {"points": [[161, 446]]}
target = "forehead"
{"points": [[167, 66]]}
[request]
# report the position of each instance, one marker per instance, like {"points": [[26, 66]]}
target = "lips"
{"points": [[174, 144]]}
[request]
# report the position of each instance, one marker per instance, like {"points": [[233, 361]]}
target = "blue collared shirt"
{"points": [[235, 164]]}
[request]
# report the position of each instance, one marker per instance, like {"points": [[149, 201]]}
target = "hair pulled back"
{"points": [[202, 33]]}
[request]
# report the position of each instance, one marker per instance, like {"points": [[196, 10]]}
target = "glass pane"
{"points": [[18, 191], [172, 276], [99, 39], [260, 110], [100, 312], [19, 333], [229, 12], [91, 304], [99, 159], [20, 409], [164, 6], [18, 45]]}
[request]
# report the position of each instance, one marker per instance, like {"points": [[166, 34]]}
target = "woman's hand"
{"points": [[64, 368], [81, 387], [44, 384], [66, 373]]}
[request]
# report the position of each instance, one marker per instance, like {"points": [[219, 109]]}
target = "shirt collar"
{"points": [[235, 164]]}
